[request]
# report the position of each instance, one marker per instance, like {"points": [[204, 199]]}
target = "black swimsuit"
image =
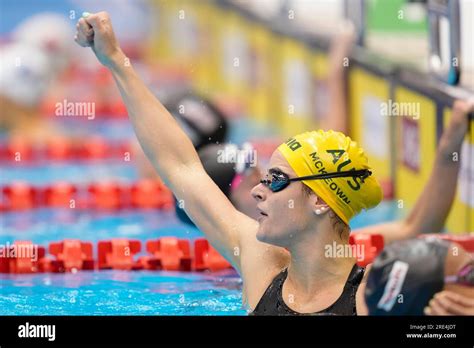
{"points": [[272, 302]]}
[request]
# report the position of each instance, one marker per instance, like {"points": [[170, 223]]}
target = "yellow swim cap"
{"points": [[320, 152]]}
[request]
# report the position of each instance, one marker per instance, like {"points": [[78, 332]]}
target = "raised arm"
{"points": [[337, 110], [432, 207], [167, 146]]}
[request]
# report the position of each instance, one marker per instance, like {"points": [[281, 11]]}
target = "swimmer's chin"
{"points": [[262, 235], [265, 232], [268, 238]]}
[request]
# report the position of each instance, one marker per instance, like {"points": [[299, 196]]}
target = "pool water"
{"points": [[122, 293]]}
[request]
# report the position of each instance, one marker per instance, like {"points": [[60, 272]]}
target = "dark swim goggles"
{"points": [[280, 180], [464, 277]]}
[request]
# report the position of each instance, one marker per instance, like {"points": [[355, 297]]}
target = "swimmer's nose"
{"points": [[258, 193]]}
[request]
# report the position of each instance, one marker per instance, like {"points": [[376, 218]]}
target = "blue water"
{"points": [[122, 293]]}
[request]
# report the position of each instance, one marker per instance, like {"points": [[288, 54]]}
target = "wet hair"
{"points": [[337, 223]]}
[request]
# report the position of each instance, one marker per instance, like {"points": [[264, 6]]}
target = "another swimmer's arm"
{"points": [[341, 45], [390, 231], [432, 207], [450, 303]]}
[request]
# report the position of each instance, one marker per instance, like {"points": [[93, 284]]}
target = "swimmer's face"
{"points": [[286, 214]]}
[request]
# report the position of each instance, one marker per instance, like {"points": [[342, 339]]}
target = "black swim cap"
{"points": [[200, 119], [405, 276]]}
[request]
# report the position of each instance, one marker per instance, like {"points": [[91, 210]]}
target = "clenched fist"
{"points": [[95, 30]]}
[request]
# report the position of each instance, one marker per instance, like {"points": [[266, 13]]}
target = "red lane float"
{"points": [[3, 153], [367, 247], [20, 196], [146, 194], [21, 257], [60, 149], [206, 257], [170, 254], [108, 195], [167, 253], [151, 194], [19, 150], [60, 195], [64, 149], [118, 254], [71, 255], [94, 148]]}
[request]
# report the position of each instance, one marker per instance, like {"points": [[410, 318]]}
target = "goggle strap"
{"points": [[363, 173]]}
